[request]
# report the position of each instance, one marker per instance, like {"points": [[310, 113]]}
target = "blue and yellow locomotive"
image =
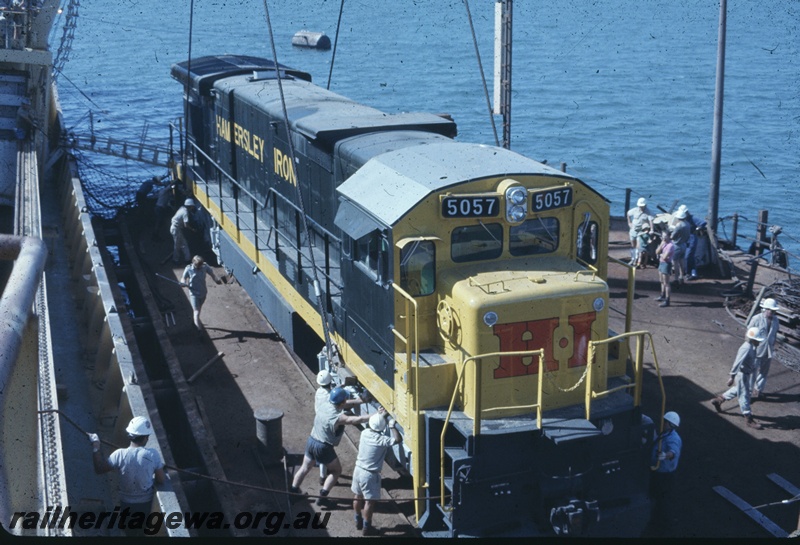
{"points": [[462, 284]]}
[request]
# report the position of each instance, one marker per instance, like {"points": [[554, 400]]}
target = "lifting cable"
{"points": [[483, 76], [323, 314], [225, 481], [185, 131], [335, 42]]}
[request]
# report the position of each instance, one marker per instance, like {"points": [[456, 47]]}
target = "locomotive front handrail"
{"points": [[410, 331], [476, 428], [630, 292], [638, 368]]}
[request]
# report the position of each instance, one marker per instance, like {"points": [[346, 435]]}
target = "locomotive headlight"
{"points": [[517, 195], [599, 304], [516, 214], [490, 318], [516, 204]]}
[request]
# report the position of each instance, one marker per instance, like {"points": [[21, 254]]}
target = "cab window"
{"points": [[418, 268], [536, 236], [370, 255], [586, 244], [476, 242]]}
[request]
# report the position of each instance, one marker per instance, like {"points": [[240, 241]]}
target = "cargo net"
{"points": [[109, 193]]}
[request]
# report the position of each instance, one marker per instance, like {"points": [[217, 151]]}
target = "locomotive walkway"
{"points": [[696, 339]]}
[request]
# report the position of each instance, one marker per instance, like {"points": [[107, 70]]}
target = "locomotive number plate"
{"points": [[470, 207], [551, 198]]}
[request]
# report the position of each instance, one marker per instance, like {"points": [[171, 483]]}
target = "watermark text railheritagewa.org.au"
{"points": [[270, 522]]}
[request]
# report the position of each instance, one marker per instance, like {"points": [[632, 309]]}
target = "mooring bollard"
{"points": [[269, 431]]}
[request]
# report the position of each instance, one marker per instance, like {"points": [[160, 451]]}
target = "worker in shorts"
{"points": [[322, 397], [194, 278], [326, 434], [366, 485]]}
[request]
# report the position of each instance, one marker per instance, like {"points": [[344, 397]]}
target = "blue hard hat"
{"points": [[338, 395]]}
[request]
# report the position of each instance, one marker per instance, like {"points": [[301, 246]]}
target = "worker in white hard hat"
{"points": [[767, 324], [638, 217], [329, 423], [139, 468], [325, 385], [372, 450], [741, 376], [665, 457], [680, 230], [181, 223], [194, 278]]}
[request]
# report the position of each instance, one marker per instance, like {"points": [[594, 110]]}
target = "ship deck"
{"points": [[696, 340]]}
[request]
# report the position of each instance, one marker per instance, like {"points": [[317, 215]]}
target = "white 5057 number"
{"points": [[552, 198], [470, 207]]}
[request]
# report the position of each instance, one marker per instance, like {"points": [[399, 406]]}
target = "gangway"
{"points": [[107, 145]]}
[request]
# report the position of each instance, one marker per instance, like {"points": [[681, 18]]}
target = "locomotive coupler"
{"points": [[574, 518]]}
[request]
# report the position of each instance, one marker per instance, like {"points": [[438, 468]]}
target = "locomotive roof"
{"points": [[392, 183], [207, 70], [322, 115]]}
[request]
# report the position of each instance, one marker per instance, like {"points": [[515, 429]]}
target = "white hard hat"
{"points": [[324, 377], [680, 213], [673, 418], [754, 334], [641, 202], [139, 426], [377, 422], [769, 304], [188, 202]]}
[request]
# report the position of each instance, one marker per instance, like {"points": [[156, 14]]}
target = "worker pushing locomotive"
{"points": [[460, 283]]}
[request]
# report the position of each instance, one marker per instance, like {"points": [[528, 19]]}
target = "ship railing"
{"points": [[14, 27]]}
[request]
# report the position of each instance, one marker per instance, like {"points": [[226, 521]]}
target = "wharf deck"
{"points": [[696, 341], [257, 370]]}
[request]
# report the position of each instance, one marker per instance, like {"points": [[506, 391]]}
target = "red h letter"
{"points": [[511, 340]]}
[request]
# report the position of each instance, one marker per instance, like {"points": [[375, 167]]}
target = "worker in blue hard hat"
{"points": [[326, 433]]}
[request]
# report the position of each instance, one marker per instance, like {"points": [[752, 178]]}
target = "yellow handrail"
{"points": [[630, 293], [476, 427], [410, 301]]}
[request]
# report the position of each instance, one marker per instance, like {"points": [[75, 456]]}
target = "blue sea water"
{"points": [[622, 91]]}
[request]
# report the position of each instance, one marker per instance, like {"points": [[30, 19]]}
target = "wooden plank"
{"points": [[751, 512], [783, 483]]}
